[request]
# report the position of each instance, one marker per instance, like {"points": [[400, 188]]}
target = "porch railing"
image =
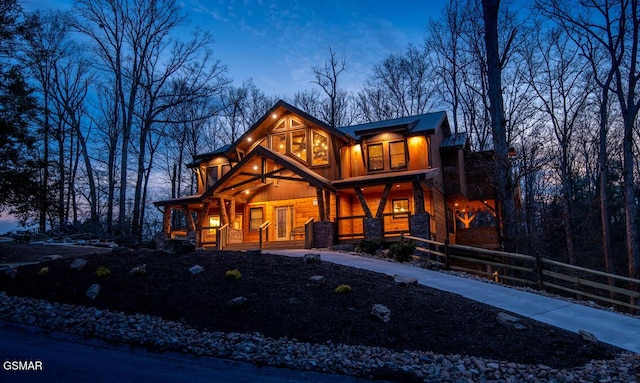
{"points": [[264, 233], [222, 236]]}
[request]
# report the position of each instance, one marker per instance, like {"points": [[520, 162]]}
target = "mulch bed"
{"points": [[282, 302]]}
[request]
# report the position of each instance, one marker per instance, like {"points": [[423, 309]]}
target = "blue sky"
{"points": [[277, 43]]}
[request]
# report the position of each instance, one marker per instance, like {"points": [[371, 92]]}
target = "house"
{"points": [[294, 180]]}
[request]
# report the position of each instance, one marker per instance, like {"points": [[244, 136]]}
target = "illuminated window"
{"points": [[278, 143], [255, 218], [214, 221], [299, 144], [320, 154], [397, 156], [400, 207], [376, 161], [212, 175]]}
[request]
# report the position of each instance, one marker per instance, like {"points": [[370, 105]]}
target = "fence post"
{"points": [[402, 238], [539, 270], [446, 254]]}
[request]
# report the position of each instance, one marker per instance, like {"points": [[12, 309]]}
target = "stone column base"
{"points": [[323, 234]]}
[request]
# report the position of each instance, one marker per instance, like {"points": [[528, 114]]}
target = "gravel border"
{"points": [[158, 334]]}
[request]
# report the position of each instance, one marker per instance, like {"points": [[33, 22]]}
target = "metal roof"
{"points": [[429, 122], [454, 140]]}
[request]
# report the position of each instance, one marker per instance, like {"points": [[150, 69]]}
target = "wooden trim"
{"points": [[321, 209], [383, 200], [363, 202]]}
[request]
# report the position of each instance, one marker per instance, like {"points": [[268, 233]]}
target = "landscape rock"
{"points": [[179, 246], [93, 291], [236, 302], [138, 270], [11, 272], [589, 337], [311, 258], [510, 322], [196, 269], [401, 280], [317, 280], [51, 257], [78, 264], [381, 312]]}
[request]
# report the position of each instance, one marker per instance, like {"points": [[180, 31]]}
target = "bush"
{"points": [[103, 272], [44, 271], [232, 275], [402, 251], [342, 289], [370, 246]]}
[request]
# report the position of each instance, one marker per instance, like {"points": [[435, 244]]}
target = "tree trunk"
{"points": [[498, 123]]}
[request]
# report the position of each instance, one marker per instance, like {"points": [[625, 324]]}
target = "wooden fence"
{"points": [[618, 291]]}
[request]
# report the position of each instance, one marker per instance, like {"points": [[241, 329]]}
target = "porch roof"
{"points": [[239, 176], [383, 178], [197, 198]]}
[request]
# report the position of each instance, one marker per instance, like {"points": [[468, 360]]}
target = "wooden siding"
{"points": [[418, 152]]}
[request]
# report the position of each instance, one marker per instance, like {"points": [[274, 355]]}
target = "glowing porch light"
{"points": [[249, 139], [255, 167], [274, 116], [246, 192]]}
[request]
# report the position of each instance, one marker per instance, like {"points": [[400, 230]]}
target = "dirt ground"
{"points": [[281, 301]]}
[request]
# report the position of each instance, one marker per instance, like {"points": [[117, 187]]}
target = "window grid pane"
{"points": [[320, 149], [396, 155], [376, 161]]}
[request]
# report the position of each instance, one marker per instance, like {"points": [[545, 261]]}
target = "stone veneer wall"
{"points": [[161, 241], [323, 234], [372, 228], [420, 225]]}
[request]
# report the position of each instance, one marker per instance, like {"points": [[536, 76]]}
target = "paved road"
{"points": [[66, 358]]}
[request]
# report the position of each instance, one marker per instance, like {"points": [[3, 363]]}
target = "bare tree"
{"points": [[326, 78], [401, 85], [495, 63], [611, 30], [558, 77]]}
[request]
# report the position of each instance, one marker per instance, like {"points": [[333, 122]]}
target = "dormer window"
{"points": [[397, 157], [304, 143], [376, 157], [320, 155], [212, 176]]}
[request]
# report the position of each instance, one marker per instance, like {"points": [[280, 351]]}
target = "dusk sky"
{"points": [[277, 43]]}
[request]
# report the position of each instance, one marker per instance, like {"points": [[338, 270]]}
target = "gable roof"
{"points": [[423, 123], [287, 163]]}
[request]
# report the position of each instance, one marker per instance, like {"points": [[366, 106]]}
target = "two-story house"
{"points": [[293, 179]]}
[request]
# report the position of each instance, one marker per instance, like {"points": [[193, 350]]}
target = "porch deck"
{"points": [[271, 245]]}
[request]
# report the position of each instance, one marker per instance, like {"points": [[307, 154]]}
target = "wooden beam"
{"points": [[232, 213], [202, 216], [363, 202], [320, 199], [418, 198], [224, 218], [327, 204], [383, 200], [166, 220], [190, 222]]}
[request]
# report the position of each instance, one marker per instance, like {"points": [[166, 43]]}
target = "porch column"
{"points": [[232, 212], [418, 198], [224, 218], [166, 220], [201, 219], [321, 208], [420, 220], [327, 205]]}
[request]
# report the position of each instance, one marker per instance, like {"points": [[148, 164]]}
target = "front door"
{"points": [[282, 226]]}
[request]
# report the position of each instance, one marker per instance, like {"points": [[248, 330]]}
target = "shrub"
{"points": [[402, 251], [342, 289], [232, 275], [370, 246], [102, 272], [44, 271]]}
